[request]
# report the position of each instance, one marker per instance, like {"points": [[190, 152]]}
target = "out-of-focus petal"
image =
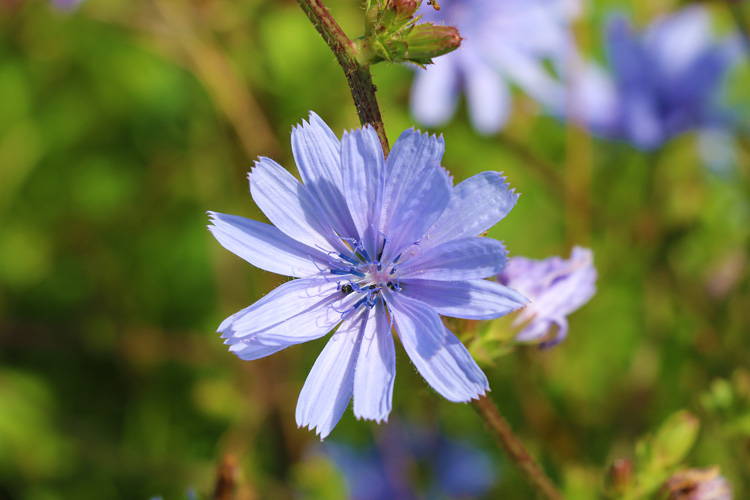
{"points": [[678, 39], [376, 368], [417, 190], [529, 74], [264, 246], [642, 123], [439, 356], [594, 101], [477, 204], [434, 94], [328, 387], [317, 153], [456, 260], [477, 299], [556, 287], [488, 98]]}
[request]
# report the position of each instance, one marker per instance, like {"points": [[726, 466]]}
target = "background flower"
{"points": [[697, 484], [556, 287], [505, 42], [410, 462], [665, 80]]}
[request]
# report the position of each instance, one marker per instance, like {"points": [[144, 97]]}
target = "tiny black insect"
{"points": [[391, 285], [346, 289]]}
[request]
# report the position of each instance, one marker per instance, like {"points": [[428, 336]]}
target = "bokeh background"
{"points": [[122, 123]]}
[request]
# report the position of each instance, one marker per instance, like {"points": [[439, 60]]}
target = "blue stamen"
{"points": [[349, 259], [360, 302]]}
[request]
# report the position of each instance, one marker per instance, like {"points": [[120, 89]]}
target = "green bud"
{"points": [[426, 41], [674, 439], [392, 34]]}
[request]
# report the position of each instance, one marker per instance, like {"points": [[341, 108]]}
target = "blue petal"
{"points": [[456, 260], [376, 368], [317, 153], [678, 40], [434, 93], [477, 204], [362, 159], [264, 246], [642, 123], [329, 385], [528, 72], [439, 356], [417, 190], [295, 312], [487, 96], [477, 299], [289, 206]]}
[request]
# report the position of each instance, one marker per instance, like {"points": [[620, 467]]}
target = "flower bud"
{"points": [[621, 476], [674, 439], [392, 34], [427, 40]]}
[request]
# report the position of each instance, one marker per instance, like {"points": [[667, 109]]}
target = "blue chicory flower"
{"points": [[505, 41], [373, 244], [556, 287], [665, 81]]}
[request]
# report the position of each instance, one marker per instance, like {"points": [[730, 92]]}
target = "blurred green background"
{"points": [[122, 123]]}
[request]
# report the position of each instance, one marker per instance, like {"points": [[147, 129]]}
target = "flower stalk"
{"points": [[352, 57], [357, 75], [515, 450]]}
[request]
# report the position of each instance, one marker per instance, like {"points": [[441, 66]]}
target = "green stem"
{"points": [[515, 450], [357, 75]]}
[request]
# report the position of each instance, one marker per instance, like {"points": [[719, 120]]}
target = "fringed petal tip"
{"points": [[313, 120], [424, 136], [258, 164], [468, 398], [317, 429], [378, 420]]}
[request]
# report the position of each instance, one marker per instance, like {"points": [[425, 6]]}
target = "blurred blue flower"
{"points": [[556, 287], [374, 244], [665, 81], [66, 4], [390, 470], [505, 41]]}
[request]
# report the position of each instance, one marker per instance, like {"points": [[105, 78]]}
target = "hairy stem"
{"points": [[515, 450], [357, 75]]}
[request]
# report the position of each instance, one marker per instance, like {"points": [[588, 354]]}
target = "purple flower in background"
{"points": [[66, 4], [387, 471], [373, 244], [505, 41], [698, 484], [665, 81], [556, 287]]}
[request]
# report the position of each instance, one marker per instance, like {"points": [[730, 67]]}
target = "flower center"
{"points": [[358, 272]]}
